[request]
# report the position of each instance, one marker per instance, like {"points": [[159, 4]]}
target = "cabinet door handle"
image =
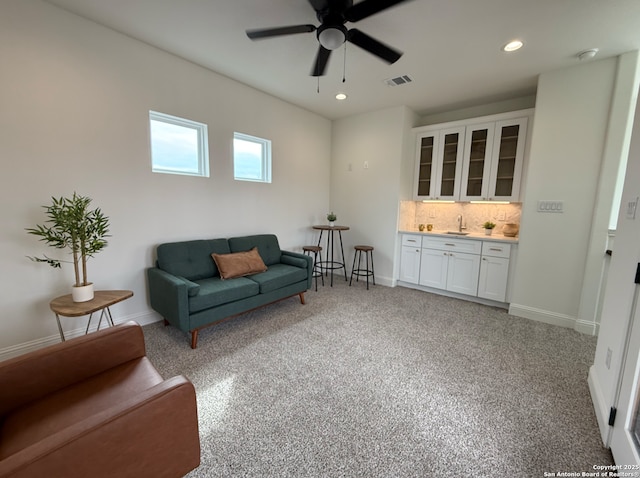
{"points": [[411, 240], [447, 244], [484, 258], [495, 249]]}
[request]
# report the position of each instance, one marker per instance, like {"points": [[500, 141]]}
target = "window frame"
{"points": [[265, 159], [202, 144]]}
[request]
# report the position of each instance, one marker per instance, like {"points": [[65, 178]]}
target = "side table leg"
{"points": [[89, 323], [60, 327], [109, 317]]}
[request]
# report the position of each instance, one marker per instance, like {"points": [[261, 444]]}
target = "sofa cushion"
{"points": [[267, 245], [238, 264], [277, 276], [191, 259], [216, 291]]}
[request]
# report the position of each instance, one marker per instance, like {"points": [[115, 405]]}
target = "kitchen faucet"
{"points": [[460, 228]]}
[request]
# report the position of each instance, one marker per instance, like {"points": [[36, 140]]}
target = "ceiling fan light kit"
{"points": [[332, 33], [332, 37]]}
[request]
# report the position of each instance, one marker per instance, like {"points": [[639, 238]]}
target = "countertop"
{"points": [[476, 236]]}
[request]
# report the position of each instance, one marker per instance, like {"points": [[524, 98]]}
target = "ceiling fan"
{"points": [[332, 33]]}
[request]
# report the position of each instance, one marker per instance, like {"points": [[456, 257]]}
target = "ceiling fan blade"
{"points": [[366, 8], [319, 5], [373, 46], [322, 58], [278, 31]]}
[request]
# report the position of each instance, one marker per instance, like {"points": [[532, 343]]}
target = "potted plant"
{"points": [[72, 225], [488, 227], [331, 217]]}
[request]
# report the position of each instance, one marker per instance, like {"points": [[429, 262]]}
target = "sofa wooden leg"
{"points": [[166, 322], [301, 294], [194, 338]]}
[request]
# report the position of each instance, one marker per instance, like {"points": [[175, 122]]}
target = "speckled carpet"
{"points": [[389, 382]]}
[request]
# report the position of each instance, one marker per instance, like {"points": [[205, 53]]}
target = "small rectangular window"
{"points": [[178, 145], [251, 158]]}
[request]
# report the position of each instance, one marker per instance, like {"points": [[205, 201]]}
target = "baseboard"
{"points": [[541, 315], [586, 327], [600, 407], [143, 318]]}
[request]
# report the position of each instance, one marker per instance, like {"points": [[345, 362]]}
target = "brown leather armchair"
{"points": [[95, 406]]}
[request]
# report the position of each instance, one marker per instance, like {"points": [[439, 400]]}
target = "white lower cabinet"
{"points": [[462, 273], [451, 265], [494, 271], [410, 258], [465, 266]]}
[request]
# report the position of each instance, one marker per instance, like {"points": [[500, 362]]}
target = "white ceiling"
{"points": [[452, 48]]}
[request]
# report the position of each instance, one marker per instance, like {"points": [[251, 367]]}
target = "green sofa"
{"points": [[185, 286]]}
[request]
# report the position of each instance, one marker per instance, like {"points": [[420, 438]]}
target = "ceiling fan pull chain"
{"points": [[344, 64]]}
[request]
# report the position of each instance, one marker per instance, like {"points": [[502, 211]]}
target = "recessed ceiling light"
{"points": [[513, 45], [341, 96]]}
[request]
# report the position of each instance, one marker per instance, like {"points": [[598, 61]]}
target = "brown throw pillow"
{"points": [[239, 264]]}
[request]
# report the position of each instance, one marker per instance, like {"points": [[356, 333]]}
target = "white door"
{"points": [[433, 268], [462, 274], [625, 437]]}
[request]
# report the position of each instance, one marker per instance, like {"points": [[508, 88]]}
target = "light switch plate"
{"points": [[632, 207], [550, 206]]}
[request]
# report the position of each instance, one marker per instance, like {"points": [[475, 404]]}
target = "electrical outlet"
{"points": [[432, 212], [366, 165], [349, 167], [502, 216]]}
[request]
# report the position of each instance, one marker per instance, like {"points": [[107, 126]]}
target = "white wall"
{"points": [[74, 103], [367, 200], [569, 132]]}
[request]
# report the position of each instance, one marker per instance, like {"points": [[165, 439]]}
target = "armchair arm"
{"points": [[151, 434], [169, 296], [41, 372]]}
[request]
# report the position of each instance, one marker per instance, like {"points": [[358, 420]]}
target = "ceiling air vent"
{"points": [[398, 80]]}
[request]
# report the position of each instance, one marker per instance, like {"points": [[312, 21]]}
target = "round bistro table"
{"points": [[331, 263]]}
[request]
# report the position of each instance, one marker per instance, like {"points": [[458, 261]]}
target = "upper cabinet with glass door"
{"points": [[439, 164], [508, 158], [494, 153]]}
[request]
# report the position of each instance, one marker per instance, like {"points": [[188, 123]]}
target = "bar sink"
{"points": [[456, 233]]}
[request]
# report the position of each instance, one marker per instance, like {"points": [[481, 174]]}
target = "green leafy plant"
{"points": [[489, 225], [72, 225], [331, 217]]}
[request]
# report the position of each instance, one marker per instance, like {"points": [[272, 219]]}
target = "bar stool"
{"points": [[359, 272], [317, 271]]}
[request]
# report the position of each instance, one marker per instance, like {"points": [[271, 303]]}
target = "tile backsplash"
{"points": [[443, 216]]}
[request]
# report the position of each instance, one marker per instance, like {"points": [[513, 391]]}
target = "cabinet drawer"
{"points": [[446, 244], [411, 240], [496, 249]]}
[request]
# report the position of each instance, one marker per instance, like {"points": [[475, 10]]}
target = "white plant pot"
{"points": [[332, 223], [82, 293], [488, 231]]}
